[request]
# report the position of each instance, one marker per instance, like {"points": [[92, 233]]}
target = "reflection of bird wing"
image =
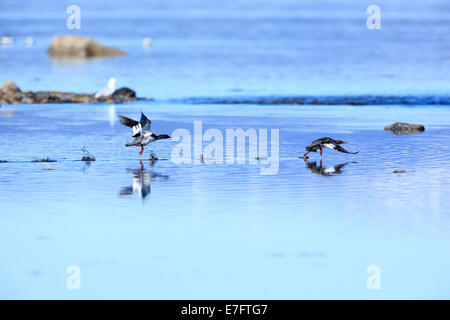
{"points": [[145, 191], [335, 146], [126, 191], [137, 184], [330, 170], [336, 169], [145, 123]]}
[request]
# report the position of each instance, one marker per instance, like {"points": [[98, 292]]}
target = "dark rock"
{"points": [[44, 160], [87, 158], [11, 94], [404, 128], [124, 94]]}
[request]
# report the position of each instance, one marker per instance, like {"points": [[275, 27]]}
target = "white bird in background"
{"points": [[146, 42], [108, 90], [29, 41], [6, 40]]}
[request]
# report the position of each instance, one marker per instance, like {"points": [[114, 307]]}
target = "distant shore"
{"points": [[11, 94]]}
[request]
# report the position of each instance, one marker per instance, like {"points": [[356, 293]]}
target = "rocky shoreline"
{"points": [[11, 94]]}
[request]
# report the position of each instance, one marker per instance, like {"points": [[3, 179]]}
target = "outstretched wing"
{"points": [[134, 125], [145, 123], [335, 146]]}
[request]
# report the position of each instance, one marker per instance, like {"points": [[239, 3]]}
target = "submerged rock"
{"points": [[87, 158], [11, 94], [44, 160], [404, 128], [70, 46]]}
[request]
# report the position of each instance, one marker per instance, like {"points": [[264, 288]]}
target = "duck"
{"points": [[326, 142], [141, 132]]}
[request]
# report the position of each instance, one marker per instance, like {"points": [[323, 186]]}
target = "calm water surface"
{"points": [[226, 231], [223, 231]]}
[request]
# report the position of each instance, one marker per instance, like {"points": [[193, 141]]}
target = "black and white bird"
{"points": [[141, 132], [326, 142]]}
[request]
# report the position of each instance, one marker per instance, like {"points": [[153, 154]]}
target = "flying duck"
{"points": [[141, 132], [326, 143]]}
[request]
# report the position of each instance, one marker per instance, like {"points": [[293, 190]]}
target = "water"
{"points": [[226, 231], [205, 230], [240, 47]]}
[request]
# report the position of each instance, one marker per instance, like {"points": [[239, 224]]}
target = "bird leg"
{"points": [[142, 165], [142, 150], [320, 151], [306, 154]]}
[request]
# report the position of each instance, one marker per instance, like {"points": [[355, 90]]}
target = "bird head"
{"points": [[112, 83]]}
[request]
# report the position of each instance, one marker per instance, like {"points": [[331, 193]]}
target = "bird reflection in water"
{"points": [[142, 180], [327, 171]]}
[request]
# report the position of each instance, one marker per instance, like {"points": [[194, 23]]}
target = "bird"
{"points": [[109, 90], [141, 132], [6, 40], [326, 142], [146, 42], [29, 41]]}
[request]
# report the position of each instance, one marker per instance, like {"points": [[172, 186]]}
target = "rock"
{"points": [[44, 160], [123, 94], [11, 94], [404, 128], [9, 86], [69, 46]]}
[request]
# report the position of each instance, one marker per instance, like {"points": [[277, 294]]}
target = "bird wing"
{"points": [[133, 124], [335, 146], [145, 123]]}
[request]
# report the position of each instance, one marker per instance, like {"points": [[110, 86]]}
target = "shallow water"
{"points": [[223, 231], [226, 231]]}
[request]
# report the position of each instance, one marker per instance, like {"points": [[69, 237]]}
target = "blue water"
{"points": [[240, 47], [226, 231]]}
